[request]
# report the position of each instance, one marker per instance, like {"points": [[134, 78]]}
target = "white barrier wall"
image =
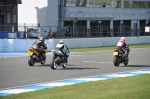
{"points": [[22, 45]]}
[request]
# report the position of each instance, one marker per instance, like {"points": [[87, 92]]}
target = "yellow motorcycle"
{"points": [[34, 56]]}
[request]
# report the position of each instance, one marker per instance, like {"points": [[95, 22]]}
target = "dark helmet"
{"points": [[42, 39]]}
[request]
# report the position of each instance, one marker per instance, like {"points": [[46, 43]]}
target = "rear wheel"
{"points": [[54, 64], [31, 61], [116, 61]]}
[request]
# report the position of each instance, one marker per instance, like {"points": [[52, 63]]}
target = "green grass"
{"points": [[136, 87], [107, 48]]}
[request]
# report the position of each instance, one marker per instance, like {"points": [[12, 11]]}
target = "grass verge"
{"points": [[136, 87], [107, 48]]}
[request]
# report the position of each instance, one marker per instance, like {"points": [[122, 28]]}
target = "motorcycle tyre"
{"points": [[31, 61], [64, 65], [53, 63], [126, 62], [43, 60], [116, 61]]}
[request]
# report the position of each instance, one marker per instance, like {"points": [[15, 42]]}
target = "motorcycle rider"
{"points": [[121, 45], [38, 45], [63, 48]]}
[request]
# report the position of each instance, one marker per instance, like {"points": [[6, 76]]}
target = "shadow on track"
{"points": [[75, 68], [135, 66], [69, 67], [138, 65]]}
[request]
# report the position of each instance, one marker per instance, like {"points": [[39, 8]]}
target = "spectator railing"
{"points": [[78, 31]]}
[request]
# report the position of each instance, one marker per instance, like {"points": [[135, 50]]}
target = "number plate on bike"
{"points": [[30, 53], [115, 53]]}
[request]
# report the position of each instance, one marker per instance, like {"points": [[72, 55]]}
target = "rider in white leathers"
{"points": [[63, 48]]}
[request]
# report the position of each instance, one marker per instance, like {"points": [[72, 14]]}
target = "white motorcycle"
{"points": [[58, 59]]}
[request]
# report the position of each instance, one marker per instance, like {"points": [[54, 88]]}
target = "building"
{"points": [[87, 18], [8, 14], [108, 17]]}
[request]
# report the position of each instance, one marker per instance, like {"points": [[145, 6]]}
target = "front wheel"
{"points": [[31, 61], [126, 61], [54, 64], [116, 61], [43, 60], [64, 65]]}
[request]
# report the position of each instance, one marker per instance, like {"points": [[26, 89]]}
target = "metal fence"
{"points": [[80, 31]]}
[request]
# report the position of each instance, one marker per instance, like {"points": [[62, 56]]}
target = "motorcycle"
{"points": [[119, 56], [58, 59], [34, 56]]}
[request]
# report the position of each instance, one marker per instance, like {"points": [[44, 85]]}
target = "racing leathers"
{"points": [[64, 49], [121, 45], [38, 45]]}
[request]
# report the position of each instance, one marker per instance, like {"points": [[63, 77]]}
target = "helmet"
{"points": [[42, 39], [61, 42], [122, 38]]}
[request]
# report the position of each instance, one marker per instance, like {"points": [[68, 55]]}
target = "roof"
{"points": [[7, 6]]}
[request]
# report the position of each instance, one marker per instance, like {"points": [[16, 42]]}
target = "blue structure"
{"points": [[4, 35]]}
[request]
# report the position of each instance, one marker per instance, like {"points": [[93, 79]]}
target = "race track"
{"points": [[15, 71]]}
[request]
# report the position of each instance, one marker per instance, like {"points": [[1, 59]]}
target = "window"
{"points": [[8, 18], [148, 4], [98, 3], [101, 3], [77, 2], [130, 4], [64, 2], [140, 4], [59, 2], [92, 3], [114, 3], [70, 2], [81, 3], [14, 18], [143, 4], [126, 4], [109, 3], [118, 4], [135, 4]]}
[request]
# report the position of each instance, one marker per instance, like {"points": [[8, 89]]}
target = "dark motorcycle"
{"points": [[58, 59], [119, 56]]}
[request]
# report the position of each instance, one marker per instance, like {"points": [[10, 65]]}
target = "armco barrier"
{"points": [[22, 45]]}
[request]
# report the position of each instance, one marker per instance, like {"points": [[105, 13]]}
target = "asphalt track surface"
{"points": [[15, 71]]}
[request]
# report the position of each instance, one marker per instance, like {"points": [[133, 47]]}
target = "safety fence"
{"points": [[22, 45], [11, 31]]}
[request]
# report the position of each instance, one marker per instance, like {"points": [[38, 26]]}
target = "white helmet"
{"points": [[122, 38], [61, 41]]}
